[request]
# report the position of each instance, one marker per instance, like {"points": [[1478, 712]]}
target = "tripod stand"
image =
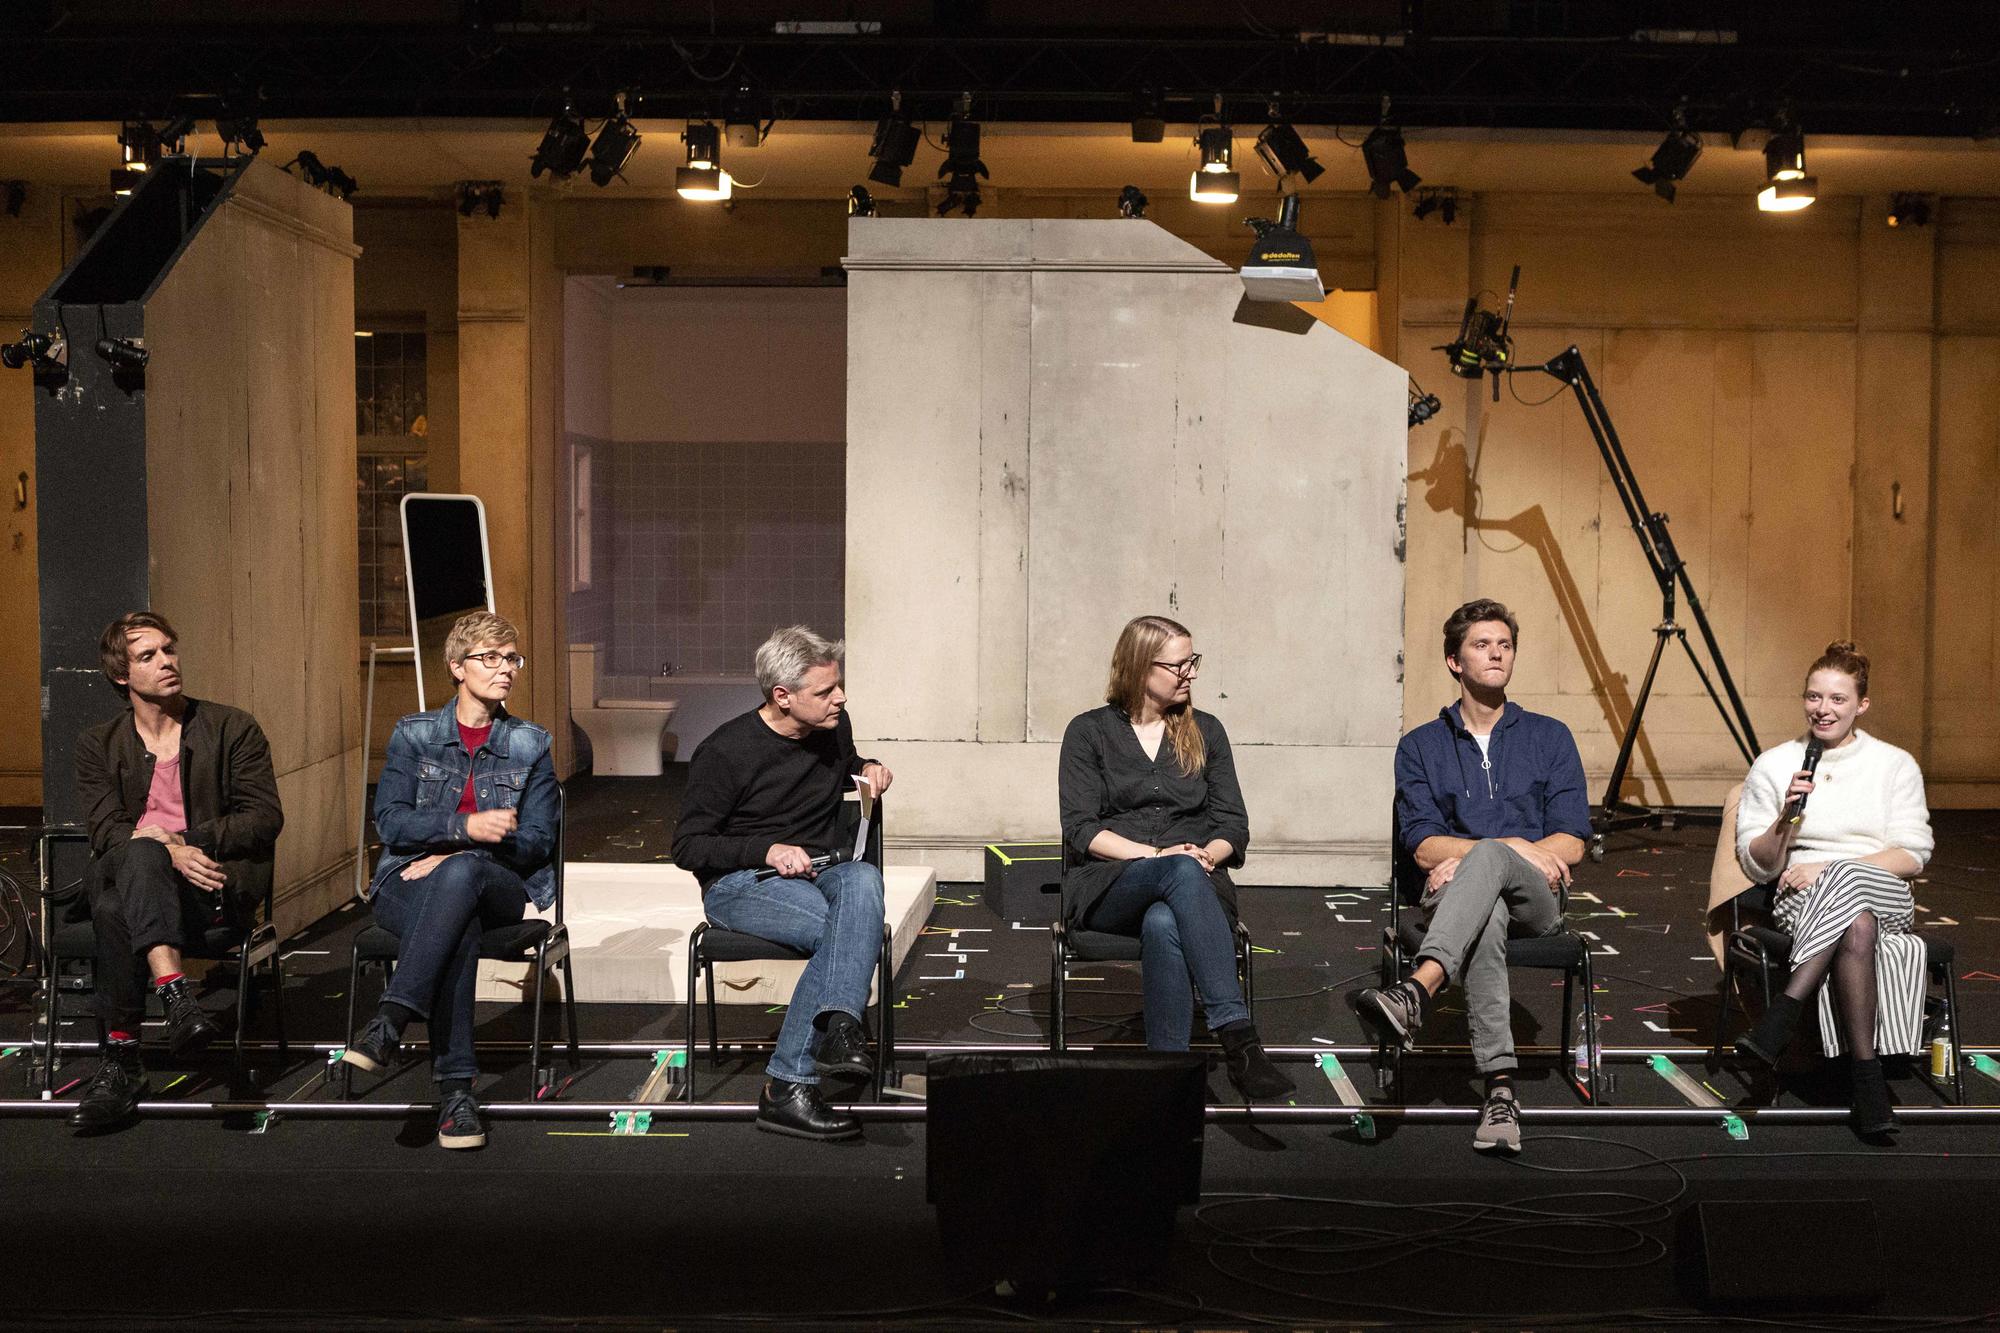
{"points": [[1670, 572]]}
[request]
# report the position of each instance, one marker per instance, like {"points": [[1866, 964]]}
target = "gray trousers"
{"points": [[1495, 893]]}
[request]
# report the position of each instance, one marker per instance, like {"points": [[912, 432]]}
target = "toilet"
{"points": [[626, 735]]}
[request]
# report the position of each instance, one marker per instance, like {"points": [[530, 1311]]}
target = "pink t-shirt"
{"points": [[165, 805]]}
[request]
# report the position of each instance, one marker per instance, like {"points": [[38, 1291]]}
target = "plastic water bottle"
{"points": [[1581, 1047]]}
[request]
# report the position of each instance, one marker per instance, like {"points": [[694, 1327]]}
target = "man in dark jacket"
{"points": [[183, 814], [1490, 805]]}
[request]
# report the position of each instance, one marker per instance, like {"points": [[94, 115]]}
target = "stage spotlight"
{"points": [[240, 132], [1281, 266], [1132, 202], [703, 179], [962, 167], [126, 355], [615, 143], [1787, 189], [43, 351], [860, 204], [1285, 154], [894, 147], [1214, 182], [1673, 159], [1149, 121], [321, 176], [1423, 406], [475, 196], [563, 145], [173, 135], [1440, 200], [138, 143], [1388, 160], [1909, 210]]}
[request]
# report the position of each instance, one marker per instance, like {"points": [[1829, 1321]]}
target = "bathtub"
{"points": [[704, 702]]}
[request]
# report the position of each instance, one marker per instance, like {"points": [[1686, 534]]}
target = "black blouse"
{"points": [[1107, 781]]}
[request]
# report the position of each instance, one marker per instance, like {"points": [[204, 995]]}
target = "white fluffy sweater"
{"points": [[1867, 796]]}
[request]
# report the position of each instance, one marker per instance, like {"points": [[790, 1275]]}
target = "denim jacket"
{"points": [[423, 776]]}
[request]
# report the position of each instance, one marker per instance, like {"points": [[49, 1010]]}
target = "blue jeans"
{"points": [[837, 918], [438, 920], [1185, 946]]}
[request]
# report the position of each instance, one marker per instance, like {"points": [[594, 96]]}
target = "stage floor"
{"points": [[560, 1217]]}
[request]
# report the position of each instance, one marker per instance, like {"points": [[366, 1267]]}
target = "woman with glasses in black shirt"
{"points": [[1152, 821]]}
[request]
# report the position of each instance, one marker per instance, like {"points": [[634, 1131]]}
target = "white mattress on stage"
{"points": [[629, 924]]}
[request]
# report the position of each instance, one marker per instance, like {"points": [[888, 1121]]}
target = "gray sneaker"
{"points": [[1392, 1015], [1499, 1122]]}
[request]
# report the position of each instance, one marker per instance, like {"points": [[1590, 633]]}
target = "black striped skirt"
{"points": [[1817, 916]]}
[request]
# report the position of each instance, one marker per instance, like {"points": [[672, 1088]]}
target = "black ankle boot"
{"points": [[1773, 1033], [1871, 1114], [1249, 1068]]}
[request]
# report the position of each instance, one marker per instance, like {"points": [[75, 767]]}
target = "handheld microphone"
{"points": [[818, 863], [1814, 748]]}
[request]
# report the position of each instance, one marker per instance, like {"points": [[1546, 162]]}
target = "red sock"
{"points": [[116, 1037], [166, 980]]}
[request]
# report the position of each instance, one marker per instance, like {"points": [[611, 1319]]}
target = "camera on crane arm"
{"points": [[1483, 344]]}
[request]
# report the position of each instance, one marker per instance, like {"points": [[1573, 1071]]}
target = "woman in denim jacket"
{"points": [[467, 812]]}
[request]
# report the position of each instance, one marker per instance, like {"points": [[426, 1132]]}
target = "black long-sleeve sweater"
{"points": [[750, 788]]}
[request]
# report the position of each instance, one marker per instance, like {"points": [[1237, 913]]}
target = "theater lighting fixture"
{"points": [[1440, 200], [895, 145], [138, 143], [1281, 266], [860, 203], [1285, 154], [563, 145], [1787, 188], [44, 352], [615, 143], [703, 179], [1387, 159], [321, 176], [126, 355], [241, 133], [480, 196], [1423, 406], [1132, 202], [962, 168], [1909, 210], [1215, 181], [1673, 159], [1149, 120]]}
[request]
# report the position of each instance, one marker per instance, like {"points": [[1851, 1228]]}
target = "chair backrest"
{"points": [[556, 855]]}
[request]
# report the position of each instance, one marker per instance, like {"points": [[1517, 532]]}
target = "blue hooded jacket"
{"points": [[1528, 785]]}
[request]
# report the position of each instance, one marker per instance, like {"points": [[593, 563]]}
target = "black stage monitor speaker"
{"points": [[1060, 1171], [1794, 1254]]}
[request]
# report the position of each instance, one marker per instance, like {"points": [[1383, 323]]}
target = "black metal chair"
{"points": [[1069, 945], [1566, 952], [69, 938], [710, 944], [533, 940], [1754, 946]]}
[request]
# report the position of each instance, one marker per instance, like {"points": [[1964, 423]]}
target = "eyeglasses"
{"points": [[1186, 669], [494, 661]]}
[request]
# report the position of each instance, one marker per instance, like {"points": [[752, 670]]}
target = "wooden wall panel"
{"points": [[1965, 592]]}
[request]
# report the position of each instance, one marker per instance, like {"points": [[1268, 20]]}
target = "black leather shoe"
{"points": [[1250, 1069], [798, 1109], [112, 1094], [1871, 1115], [1773, 1033], [843, 1048], [375, 1048], [188, 1028]]}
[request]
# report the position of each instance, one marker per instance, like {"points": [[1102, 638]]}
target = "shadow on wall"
{"points": [[1450, 486]]}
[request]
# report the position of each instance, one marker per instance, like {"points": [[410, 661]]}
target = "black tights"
{"points": [[1853, 964]]}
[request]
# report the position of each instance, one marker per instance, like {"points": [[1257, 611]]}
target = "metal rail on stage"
{"points": [[916, 1111]]}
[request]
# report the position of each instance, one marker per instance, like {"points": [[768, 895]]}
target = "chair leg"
{"points": [[353, 985], [1567, 1041], [1591, 1052], [884, 1049], [535, 1028], [1056, 965], [687, 1069], [242, 1000], [278, 1002], [708, 980], [569, 1014], [1957, 1037], [1724, 1002], [53, 1008]]}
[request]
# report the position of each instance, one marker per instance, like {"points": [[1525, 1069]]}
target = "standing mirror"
{"points": [[450, 574]]}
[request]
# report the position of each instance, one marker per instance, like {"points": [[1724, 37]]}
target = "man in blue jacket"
{"points": [[1490, 805]]}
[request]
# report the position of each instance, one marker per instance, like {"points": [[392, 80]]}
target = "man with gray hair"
{"points": [[763, 794]]}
